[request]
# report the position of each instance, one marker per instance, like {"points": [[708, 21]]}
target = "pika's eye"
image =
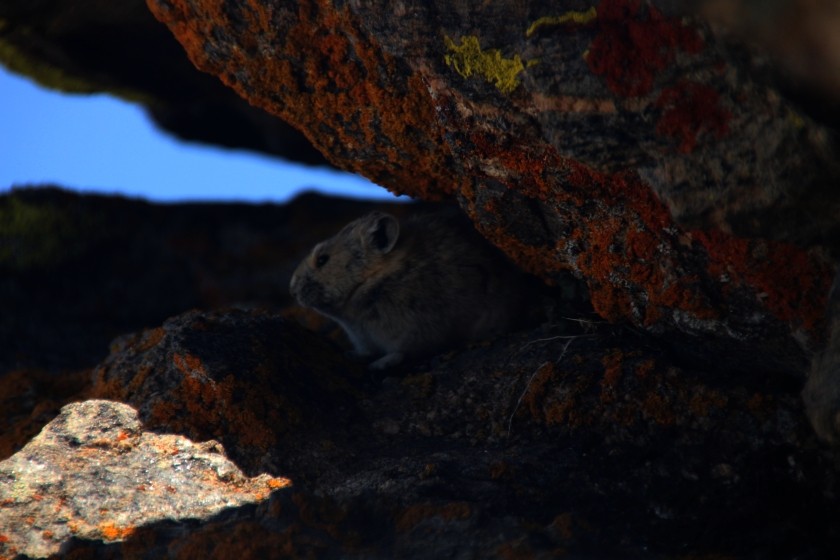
{"points": [[321, 260]]}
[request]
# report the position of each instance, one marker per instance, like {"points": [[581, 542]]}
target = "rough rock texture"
{"points": [[540, 118], [558, 441], [91, 46], [94, 474]]}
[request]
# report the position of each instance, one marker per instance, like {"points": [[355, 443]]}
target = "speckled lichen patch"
{"points": [[468, 59]]}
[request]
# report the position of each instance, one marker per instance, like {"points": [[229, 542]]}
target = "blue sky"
{"points": [[97, 143]]}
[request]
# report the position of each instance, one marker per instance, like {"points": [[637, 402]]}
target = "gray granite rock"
{"points": [[93, 473]]}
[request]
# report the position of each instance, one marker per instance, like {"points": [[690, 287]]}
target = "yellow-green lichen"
{"points": [[579, 18], [469, 59]]}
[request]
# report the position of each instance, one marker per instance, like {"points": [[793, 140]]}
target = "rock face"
{"points": [[541, 443], [543, 120], [94, 474]]}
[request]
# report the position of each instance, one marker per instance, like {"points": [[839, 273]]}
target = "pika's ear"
{"points": [[380, 232]]}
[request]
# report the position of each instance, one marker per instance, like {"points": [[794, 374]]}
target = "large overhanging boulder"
{"points": [[620, 141]]}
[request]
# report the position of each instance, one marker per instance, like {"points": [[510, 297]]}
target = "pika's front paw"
{"points": [[387, 361]]}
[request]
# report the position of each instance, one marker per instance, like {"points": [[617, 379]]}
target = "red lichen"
{"points": [[689, 110], [792, 283], [633, 45]]}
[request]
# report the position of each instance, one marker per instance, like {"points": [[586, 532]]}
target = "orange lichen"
{"points": [[613, 367], [761, 406], [518, 549], [703, 402], [207, 409], [562, 526], [279, 482], [659, 409], [644, 368], [317, 71], [623, 250], [151, 338], [500, 470], [416, 514], [189, 365], [112, 532]]}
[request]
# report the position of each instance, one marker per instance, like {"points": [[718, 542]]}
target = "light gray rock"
{"points": [[94, 474]]}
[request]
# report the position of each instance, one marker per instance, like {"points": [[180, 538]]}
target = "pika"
{"points": [[411, 290]]}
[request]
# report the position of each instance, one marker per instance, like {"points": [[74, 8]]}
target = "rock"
{"points": [[249, 379], [623, 142], [94, 474], [592, 442], [90, 46]]}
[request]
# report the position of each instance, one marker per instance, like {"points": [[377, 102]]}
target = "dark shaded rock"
{"points": [[117, 47], [587, 442], [93, 474], [30, 398], [251, 380]]}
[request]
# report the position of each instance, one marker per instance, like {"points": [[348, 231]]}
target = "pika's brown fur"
{"points": [[411, 290]]}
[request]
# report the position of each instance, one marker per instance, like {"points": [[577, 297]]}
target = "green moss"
{"points": [[46, 75], [469, 59]]}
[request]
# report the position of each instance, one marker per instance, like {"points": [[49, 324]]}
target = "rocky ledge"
{"points": [[577, 440]]}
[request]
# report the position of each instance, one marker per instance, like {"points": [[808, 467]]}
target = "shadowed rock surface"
{"points": [[547, 442]]}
